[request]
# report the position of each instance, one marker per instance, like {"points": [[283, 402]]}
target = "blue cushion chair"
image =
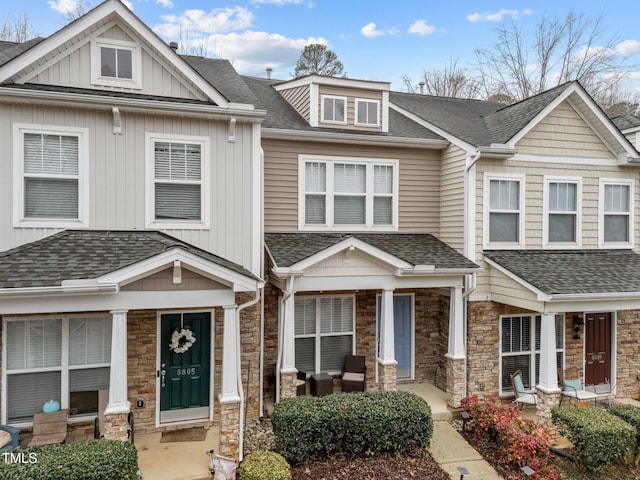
{"points": [[522, 396], [573, 388], [15, 437]]}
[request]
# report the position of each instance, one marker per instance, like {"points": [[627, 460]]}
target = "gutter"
{"points": [[60, 290]]}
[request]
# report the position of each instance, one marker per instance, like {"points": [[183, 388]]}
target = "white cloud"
{"points": [[498, 16], [64, 6], [194, 23], [420, 27], [165, 3], [628, 48], [128, 4], [370, 30]]}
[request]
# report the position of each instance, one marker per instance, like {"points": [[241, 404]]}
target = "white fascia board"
{"points": [[355, 139], [333, 81], [144, 268], [67, 33], [542, 296], [467, 147], [71, 288], [421, 271], [375, 282]]}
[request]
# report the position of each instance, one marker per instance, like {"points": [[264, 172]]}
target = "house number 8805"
{"points": [[182, 372]]}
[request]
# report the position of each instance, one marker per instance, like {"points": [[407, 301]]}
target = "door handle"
{"points": [[163, 372]]}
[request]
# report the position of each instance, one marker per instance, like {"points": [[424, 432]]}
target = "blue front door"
{"points": [[402, 341]]}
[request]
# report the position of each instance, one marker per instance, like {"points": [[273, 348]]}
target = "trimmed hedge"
{"points": [[91, 460], [599, 437], [263, 465], [629, 414], [307, 428]]}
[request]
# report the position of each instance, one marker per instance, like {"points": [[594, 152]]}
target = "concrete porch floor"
{"points": [[436, 398]]}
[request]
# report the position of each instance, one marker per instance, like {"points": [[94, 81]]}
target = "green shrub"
{"points": [[263, 465], [92, 460], [599, 437], [629, 414], [307, 428]]}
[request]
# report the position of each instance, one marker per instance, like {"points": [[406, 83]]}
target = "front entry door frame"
{"points": [[411, 328], [178, 421], [590, 318]]}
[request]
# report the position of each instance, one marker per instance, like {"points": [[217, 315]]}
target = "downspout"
{"points": [[287, 294], [239, 370]]}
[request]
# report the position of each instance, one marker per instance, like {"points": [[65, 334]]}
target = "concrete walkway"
{"points": [[451, 451]]}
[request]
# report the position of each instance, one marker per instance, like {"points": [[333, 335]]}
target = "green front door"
{"points": [[184, 369]]}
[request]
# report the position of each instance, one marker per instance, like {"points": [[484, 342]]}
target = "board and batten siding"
{"points": [[117, 175], [351, 95], [299, 98], [419, 182], [74, 70], [452, 197], [563, 133]]}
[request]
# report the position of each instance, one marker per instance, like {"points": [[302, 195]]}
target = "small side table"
{"points": [[321, 384]]}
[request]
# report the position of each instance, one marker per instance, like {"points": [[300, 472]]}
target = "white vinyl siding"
{"points": [[116, 63], [520, 348], [336, 193], [367, 113], [324, 332], [51, 177], [53, 358], [177, 181], [562, 220], [334, 109], [504, 211], [616, 217]]}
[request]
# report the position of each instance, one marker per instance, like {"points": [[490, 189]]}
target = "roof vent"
{"points": [[173, 46], [421, 84], [269, 71]]}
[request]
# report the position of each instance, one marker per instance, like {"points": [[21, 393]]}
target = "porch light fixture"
{"points": [[578, 326]]}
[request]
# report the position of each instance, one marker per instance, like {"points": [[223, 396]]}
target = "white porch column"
{"points": [[288, 337], [456, 350], [118, 393], [230, 344], [548, 365], [387, 347]]}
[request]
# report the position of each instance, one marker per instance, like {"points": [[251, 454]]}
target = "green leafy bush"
{"points": [[629, 414], [599, 437], [92, 460], [307, 428], [263, 465]]}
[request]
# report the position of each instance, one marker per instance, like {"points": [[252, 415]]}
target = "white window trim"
{"points": [[19, 220], [545, 214], [531, 352], [136, 64], [330, 226], [487, 245], [601, 213], [334, 97], [318, 335], [367, 100], [64, 361], [150, 220]]}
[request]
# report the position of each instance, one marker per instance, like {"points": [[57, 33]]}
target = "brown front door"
{"points": [[597, 348]]}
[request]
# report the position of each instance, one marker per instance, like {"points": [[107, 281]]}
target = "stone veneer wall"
{"points": [[628, 354]]}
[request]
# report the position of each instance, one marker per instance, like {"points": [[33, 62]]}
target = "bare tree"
{"points": [[317, 58], [563, 49], [78, 10], [17, 29], [451, 81]]}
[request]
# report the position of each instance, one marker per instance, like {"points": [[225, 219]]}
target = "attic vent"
{"points": [[173, 46], [421, 84], [269, 70]]}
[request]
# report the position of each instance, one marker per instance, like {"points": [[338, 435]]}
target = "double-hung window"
{"points": [[520, 348], [62, 358], [324, 332], [616, 213], [50, 176], [334, 109], [504, 211], [115, 63], [562, 222], [338, 193], [177, 181], [367, 113]]}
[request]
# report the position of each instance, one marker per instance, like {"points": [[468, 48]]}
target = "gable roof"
{"points": [[627, 122], [90, 254], [572, 272]]}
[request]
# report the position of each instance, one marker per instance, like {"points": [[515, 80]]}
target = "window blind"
{"points": [[27, 392]]}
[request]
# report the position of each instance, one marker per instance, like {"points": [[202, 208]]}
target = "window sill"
{"points": [[175, 225], [348, 228], [44, 223]]}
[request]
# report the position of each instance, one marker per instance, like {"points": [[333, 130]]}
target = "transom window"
{"points": [[177, 171], [520, 348], [336, 193], [61, 358], [116, 63], [562, 205], [367, 112], [324, 332], [50, 177], [504, 211], [334, 109], [616, 213]]}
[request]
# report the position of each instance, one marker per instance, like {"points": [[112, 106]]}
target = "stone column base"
{"points": [[455, 381], [230, 430], [116, 426], [545, 402], [387, 375], [288, 385]]}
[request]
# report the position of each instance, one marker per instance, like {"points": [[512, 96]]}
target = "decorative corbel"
{"points": [[232, 129], [117, 122]]}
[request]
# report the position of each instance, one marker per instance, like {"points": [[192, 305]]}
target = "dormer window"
{"points": [[367, 113], [115, 63], [334, 109]]}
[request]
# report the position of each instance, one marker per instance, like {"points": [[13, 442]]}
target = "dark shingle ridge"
{"points": [[557, 272]]}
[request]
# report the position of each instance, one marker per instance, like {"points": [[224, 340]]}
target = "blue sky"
{"points": [[377, 40]]}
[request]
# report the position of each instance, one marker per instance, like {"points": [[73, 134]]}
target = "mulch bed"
{"points": [[383, 467]]}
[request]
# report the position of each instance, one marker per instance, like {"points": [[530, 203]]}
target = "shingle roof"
{"points": [[557, 272], [287, 249], [10, 50], [623, 122], [88, 254]]}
